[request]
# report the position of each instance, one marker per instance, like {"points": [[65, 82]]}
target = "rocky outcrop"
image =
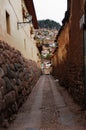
{"points": [[17, 78]]}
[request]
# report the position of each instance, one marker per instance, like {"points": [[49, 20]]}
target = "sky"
{"points": [[50, 9]]}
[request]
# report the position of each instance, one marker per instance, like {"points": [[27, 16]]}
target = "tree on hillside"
{"points": [[49, 24]]}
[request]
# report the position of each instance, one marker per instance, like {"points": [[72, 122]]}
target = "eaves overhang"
{"points": [[31, 9]]}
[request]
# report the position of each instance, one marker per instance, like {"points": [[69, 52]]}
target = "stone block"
{"points": [[10, 98]]}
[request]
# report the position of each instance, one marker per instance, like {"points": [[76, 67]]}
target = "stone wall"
{"points": [[16, 81], [70, 70], [75, 54], [60, 65]]}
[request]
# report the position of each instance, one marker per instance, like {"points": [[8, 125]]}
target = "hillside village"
{"points": [[46, 43]]}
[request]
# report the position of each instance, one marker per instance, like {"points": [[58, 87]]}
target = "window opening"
{"points": [[8, 23]]}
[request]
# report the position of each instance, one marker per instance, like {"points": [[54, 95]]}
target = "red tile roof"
{"points": [[31, 10]]}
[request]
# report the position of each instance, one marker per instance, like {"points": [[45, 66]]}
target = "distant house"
{"points": [[20, 36]]}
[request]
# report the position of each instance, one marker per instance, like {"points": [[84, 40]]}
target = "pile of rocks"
{"points": [[17, 77]]}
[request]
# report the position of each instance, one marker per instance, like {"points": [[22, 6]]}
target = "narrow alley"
{"points": [[42, 65], [48, 108]]}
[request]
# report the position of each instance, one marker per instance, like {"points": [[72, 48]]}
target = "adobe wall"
{"points": [[60, 57], [75, 55], [69, 67]]}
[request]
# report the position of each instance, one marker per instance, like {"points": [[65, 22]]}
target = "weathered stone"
{"points": [[15, 87], [14, 81], [2, 61], [3, 90], [20, 59], [14, 107], [5, 123], [2, 104], [17, 66], [21, 76], [9, 85], [18, 82], [10, 73], [2, 82], [20, 88], [0, 95], [25, 84], [1, 44], [1, 72], [12, 67], [16, 78], [26, 76], [10, 97], [4, 68], [24, 92]]}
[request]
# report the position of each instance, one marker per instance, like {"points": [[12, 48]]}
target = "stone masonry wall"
{"points": [[17, 78], [60, 69], [70, 70], [75, 53]]}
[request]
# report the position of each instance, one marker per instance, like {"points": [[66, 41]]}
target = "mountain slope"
{"points": [[49, 24]]}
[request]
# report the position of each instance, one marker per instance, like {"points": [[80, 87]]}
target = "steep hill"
{"points": [[49, 24]]}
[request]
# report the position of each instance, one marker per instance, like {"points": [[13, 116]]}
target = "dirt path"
{"points": [[49, 107]]}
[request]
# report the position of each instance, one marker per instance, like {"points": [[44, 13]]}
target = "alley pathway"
{"points": [[46, 109]]}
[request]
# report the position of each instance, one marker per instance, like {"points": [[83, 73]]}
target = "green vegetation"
{"points": [[49, 24]]}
